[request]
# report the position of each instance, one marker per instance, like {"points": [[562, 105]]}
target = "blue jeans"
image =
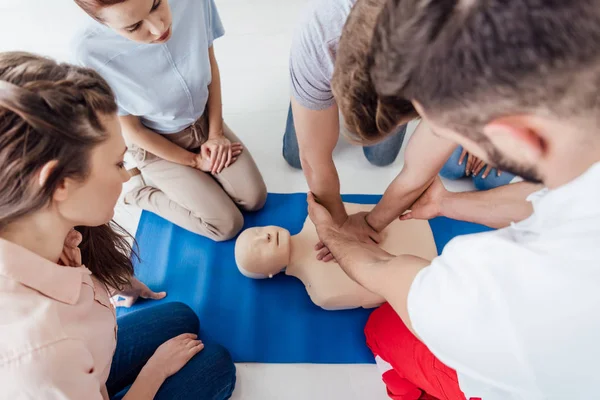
{"points": [[381, 154], [210, 375], [451, 170]]}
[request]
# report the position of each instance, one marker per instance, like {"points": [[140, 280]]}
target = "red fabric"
{"points": [[417, 373]]}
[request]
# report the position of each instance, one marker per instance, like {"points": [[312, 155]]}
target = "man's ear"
{"points": [[61, 191], [517, 136]]}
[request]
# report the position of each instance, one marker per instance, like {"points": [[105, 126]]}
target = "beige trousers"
{"points": [[198, 201]]}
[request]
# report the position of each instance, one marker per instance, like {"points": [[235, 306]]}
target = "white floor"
{"points": [[253, 58]]}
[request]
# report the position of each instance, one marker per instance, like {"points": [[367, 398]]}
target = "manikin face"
{"points": [[262, 252]]}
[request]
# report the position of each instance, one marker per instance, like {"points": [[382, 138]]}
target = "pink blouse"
{"points": [[57, 329]]}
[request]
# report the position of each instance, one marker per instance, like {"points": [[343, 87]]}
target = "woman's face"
{"points": [[143, 21], [92, 202]]}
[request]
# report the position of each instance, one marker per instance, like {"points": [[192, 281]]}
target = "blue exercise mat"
{"points": [[266, 321]]}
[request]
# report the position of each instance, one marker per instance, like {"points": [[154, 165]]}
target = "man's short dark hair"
{"points": [[468, 61]]}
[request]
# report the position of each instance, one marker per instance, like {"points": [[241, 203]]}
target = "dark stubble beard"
{"points": [[502, 163]]}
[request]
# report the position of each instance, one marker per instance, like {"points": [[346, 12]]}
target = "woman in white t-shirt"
{"points": [[158, 58]]}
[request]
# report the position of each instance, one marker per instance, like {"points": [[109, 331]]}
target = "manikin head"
{"points": [[262, 252]]}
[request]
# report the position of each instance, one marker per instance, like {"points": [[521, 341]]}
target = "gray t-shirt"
{"points": [[314, 48]]}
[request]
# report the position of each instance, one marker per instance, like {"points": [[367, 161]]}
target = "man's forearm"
{"points": [[325, 185], [376, 270], [495, 208], [398, 197], [356, 258]]}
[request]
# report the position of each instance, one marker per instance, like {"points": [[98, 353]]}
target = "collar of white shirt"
{"points": [[576, 200]]}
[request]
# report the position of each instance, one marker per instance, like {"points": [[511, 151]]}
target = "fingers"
{"points": [[217, 160], [405, 217], [149, 294], [319, 246], [487, 171], [470, 162], [225, 155], [323, 253], [328, 258], [197, 348], [229, 157], [478, 167], [462, 157], [184, 336]]}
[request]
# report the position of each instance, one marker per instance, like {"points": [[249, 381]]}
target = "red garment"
{"points": [[417, 373]]}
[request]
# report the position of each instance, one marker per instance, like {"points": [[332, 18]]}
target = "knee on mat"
{"points": [[256, 200], [222, 370], [228, 227], [184, 315]]}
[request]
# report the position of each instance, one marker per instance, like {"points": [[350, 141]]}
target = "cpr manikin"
{"points": [[263, 252]]}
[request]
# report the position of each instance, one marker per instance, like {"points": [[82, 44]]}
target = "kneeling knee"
{"points": [[223, 370], [227, 228], [257, 199]]}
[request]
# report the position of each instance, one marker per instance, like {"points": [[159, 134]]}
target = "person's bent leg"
{"points": [[452, 170], [412, 367], [210, 375], [140, 333], [291, 150], [492, 181], [385, 153], [242, 181], [189, 198]]}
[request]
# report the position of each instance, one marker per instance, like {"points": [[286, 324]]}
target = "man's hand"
{"points": [[355, 227], [429, 204], [134, 291]]}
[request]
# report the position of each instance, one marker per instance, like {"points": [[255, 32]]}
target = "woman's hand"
{"points": [[173, 354], [133, 292], [475, 165], [71, 255], [220, 152], [205, 163]]}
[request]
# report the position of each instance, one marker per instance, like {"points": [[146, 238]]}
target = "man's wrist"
{"points": [[372, 222], [446, 204]]}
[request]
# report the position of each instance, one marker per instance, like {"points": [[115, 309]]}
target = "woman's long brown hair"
{"points": [[50, 112]]}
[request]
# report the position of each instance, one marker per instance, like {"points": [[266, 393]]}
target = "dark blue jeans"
{"points": [[210, 375], [381, 154], [451, 170]]}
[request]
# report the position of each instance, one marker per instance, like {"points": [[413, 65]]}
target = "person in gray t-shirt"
{"points": [[314, 115], [312, 63]]}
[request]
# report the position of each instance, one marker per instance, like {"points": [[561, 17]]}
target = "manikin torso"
{"points": [[328, 285]]}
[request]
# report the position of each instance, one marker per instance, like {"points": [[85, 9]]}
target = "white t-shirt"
{"points": [[516, 312]]}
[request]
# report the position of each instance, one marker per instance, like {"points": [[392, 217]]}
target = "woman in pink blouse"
{"points": [[61, 157]]}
